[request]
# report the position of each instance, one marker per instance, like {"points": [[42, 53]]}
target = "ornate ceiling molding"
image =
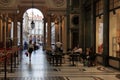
{"points": [[59, 3], [8, 6], [5, 3]]}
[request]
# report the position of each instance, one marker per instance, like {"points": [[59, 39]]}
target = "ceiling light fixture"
{"points": [[32, 22]]}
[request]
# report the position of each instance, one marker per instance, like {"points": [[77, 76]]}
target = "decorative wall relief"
{"points": [[59, 3], [5, 3], [8, 3]]}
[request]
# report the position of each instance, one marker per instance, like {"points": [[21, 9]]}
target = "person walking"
{"points": [[30, 49]]}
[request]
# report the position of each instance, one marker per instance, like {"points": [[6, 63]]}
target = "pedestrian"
{"points": [[30, 49], [58, 47]]}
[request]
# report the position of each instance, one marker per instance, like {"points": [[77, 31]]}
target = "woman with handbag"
{"points": [[30, 49]]}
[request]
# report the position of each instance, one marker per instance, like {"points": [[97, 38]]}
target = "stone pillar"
{"points": [[21, 33], [7, 33], [4, 29], [56, 30], [60, 28], [9, 28], [105, 32], [81, 27], [44, 39], [48, 47], [15, 30], [64, 34], [68, 23], [93, 26], [5, 17], [1, 27]]}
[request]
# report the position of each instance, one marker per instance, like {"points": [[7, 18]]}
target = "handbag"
{"points": [[26, 53]]}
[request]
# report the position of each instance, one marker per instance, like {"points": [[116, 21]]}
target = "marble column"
{"points": [[105, 32], [64, 34], [93, 26], [68, 23], [4, 29], [15, 30], [5, 17], [60, 28], [1, 27], [44, 33], [7, 32], [9, 28], [48, 46], [81, 27], [56, 30], [21, 33]]}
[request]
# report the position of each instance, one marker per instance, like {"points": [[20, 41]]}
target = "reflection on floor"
{"points": [[39, 69]]}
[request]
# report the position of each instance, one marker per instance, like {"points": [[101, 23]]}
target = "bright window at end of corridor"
{"points": [[37, 32]]}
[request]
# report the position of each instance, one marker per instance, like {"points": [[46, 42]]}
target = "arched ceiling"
{"points": [[46, 6]]}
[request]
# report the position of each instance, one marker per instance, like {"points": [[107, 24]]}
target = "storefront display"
{"points": [[99, 35], [114, 42]]}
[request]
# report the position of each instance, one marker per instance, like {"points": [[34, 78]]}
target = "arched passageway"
{"points": [[30, 32]]}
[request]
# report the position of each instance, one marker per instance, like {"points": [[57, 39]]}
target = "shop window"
{"points": [[114, 35], [99, 35]]}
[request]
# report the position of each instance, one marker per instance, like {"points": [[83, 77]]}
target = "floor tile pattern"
{"points": [[34, 78], [40, 69]]}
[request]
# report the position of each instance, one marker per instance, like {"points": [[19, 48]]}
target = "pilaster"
{"points": [[93, 26], [44, 39], [48, 46], [15, 38], [81, 27], [21, 32], [105, 32]]}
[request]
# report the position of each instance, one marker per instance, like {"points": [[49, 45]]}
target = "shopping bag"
{"points": [[26, 53]]}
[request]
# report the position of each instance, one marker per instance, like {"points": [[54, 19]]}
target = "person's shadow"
{"points": [[30, 68]]}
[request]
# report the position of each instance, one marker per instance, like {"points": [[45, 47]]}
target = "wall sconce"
{"points": [[114, 12], [99, 16]]}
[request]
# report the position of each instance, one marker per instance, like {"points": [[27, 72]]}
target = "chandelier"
{"points": [[32, 22]]}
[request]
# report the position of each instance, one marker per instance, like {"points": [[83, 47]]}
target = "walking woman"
{"points": [[30, 49]]}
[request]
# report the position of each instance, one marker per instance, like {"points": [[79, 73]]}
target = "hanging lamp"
{"points": [[32, 22]]}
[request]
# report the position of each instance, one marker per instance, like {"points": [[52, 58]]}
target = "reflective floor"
{"points": [[40, 69]]}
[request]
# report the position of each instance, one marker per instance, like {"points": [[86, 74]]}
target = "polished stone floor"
{"points": [[40, 69]]}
